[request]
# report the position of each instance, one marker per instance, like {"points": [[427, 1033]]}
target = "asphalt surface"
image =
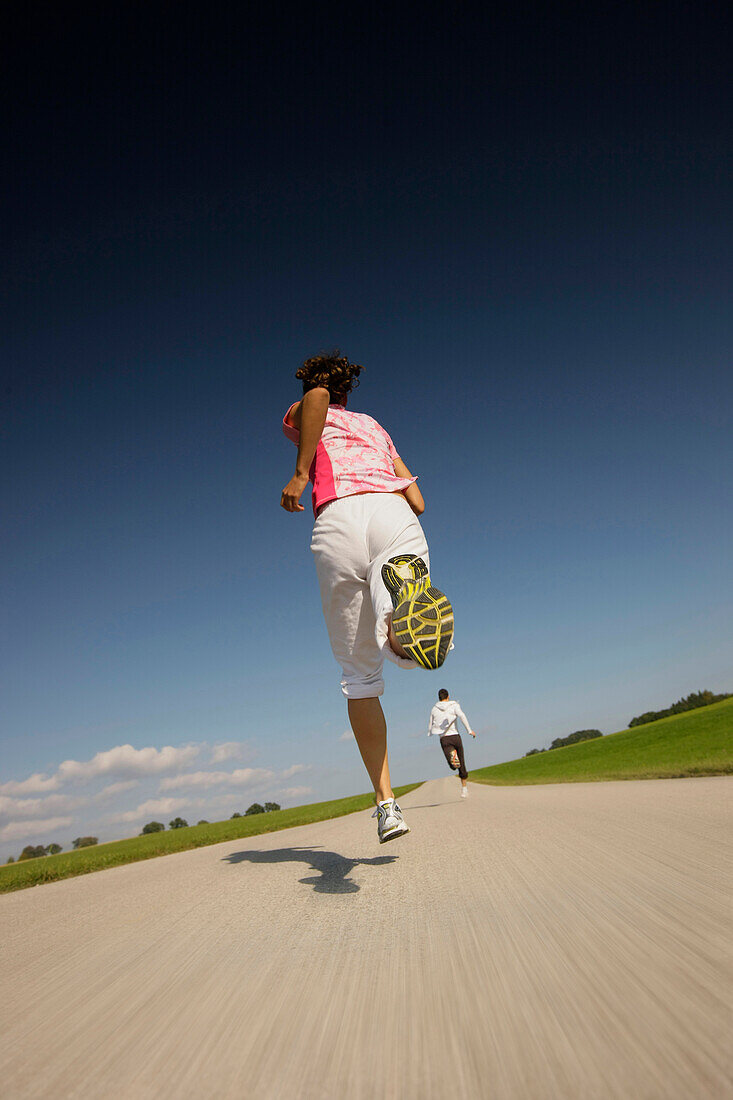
{"points": [[531, 942]]}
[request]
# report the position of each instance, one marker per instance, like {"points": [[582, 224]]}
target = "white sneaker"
{"points": [[390, 822], [464, 792]]}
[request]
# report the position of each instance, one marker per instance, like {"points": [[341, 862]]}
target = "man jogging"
{"points": [[443, 718]]}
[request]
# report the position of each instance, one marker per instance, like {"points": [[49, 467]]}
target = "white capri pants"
{"points": [[352, 539]]}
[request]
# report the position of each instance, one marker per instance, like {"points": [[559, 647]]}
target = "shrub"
{"points": [[153, 827], [84, 842], [574, 738], [178, 823], [32, 851], [255, 808]]}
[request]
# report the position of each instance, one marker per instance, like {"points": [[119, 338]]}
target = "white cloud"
{"points": [[117, 788], [27, 807], [154, 806], [34, 784], [23, 829], [347, 735], [125, 767], [126, 761], [228, 750], [294, 769], [295, 792], [123, 760], [241, 777]]}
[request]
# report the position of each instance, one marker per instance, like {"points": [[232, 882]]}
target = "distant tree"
{"points": [[270, 806], [533, 752], [10, 859], [689, 702], [53, 849], [574, 738], [647, 716], [203, 821], [178, 823], [255, 808], [235, 814], [32, 851], [153, 827], [84, 842]]}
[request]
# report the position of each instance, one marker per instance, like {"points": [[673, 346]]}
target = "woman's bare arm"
{"points": [[412, 494], [309, 417]]}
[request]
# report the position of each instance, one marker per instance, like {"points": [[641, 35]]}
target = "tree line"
{"points": [[571, 739], [256, 808], [181, 823], [35, 851], [689, 702], [32, 851]]}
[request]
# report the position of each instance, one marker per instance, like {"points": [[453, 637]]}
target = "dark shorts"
{"points": [[448, 743]]}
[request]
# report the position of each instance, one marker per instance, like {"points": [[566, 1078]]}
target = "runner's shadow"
{"points": [[334, 869]]}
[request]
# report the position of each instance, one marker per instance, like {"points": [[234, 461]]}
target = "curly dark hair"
{"points": [[332, 370]]}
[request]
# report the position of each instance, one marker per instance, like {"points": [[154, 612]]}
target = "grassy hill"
{"points": [[32, 872], [697, 742]]}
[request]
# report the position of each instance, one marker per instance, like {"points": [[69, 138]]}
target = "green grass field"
{"points": [[697, 742], [33, 872]]}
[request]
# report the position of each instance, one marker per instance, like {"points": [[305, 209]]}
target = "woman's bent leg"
{"points": [[392, 529], [370, 730]]}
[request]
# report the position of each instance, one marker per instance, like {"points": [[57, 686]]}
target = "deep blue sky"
{"points": [[520, 224]]}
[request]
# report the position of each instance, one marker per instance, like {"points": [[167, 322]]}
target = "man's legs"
{"points": [[453, 743], [449, 752], [370, 730], [462, 772]]}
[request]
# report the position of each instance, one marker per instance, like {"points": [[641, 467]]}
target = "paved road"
{"points": [[568, 941]]}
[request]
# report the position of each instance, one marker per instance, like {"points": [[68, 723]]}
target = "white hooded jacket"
{"points": [[443, 718]]}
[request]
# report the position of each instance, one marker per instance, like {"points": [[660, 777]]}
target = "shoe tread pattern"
{"points": [[394, 569], [423, 623], [423, 615]]}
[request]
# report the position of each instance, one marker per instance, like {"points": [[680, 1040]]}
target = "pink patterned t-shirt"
{"points": [[354, 455]]}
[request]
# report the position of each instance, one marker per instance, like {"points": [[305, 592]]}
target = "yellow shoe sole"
{"points": [[423, 616]]}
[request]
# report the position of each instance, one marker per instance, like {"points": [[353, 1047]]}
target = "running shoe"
{"points": [[423, 616], [390, 822], [464, 792], [405, 567]]}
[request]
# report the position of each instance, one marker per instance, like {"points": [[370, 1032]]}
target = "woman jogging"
{"points": [[443, 724], [371, 557]]}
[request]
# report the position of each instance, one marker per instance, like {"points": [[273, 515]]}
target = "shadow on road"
{"points": [[334, 869]]}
